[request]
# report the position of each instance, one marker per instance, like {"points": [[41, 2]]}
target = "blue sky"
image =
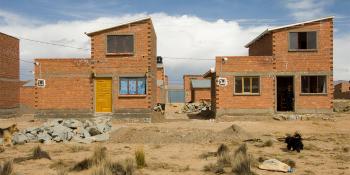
{"points": [[64, 21]]}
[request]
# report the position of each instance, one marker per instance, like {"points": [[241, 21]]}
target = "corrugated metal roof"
{"points": [[200, 83]]}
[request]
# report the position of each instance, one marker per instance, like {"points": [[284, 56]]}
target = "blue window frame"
{"points": [[132, 86]]}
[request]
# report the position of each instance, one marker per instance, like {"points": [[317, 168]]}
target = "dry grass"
{"points": [[102, 169], [223, 156], [268, 143], [38, 153], [214, 168], [140, 158], [241, 163], [7, 168], [97, 158], [78, 148]]}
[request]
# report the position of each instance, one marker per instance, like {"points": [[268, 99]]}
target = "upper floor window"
{"points": [[120, 44], [313, 84], [247, 85], [302, 41]]}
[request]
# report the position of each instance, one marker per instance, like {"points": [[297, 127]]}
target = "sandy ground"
{"points": [[174, 146]]}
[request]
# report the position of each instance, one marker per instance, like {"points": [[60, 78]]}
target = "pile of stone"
{"points": [[196, 107], [65, 130]]}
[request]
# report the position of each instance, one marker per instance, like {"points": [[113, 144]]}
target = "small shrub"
{"points": [[223, 149], [129, 165], [223, 156], [58, 164], [346, 149], [7, 168], [38, 153], [140, 158], [242, 161], [97, 158]]}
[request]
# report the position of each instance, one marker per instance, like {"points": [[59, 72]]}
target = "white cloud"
{"points": [[341, 57], [308, 9], [177, 36]]}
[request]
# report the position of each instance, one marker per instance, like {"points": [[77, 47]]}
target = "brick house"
{"points": [[196, 88], [9, 75], [119, 78], [162, 82], [342, 90], [289, 69]]}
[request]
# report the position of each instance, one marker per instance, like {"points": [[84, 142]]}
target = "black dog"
{"points": [[294, 142]]}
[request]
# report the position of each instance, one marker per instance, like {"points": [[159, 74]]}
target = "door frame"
{"points": [[112, 90], [294, 90]]}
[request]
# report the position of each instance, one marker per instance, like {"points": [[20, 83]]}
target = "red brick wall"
{"points": [[70, 84], [319, 62], [9, 72], [27, 97], [187, 85], [245, 65], [199, 95], [262, 47], [282, 62]]}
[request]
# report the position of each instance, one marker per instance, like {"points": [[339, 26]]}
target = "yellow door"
{"points": [[103, 96]]}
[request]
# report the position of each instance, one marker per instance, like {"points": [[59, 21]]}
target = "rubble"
{"points": [[64, 130], [275, 165], [196, 107]]}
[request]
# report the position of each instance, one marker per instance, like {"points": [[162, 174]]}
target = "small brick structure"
{"points": [[119, 79], [198, 93], [289, 69], [9, 75], [342, 90]]}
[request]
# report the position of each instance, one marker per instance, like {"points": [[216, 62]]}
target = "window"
{"points": [[247, 85], [302, 41], [120, 44], [132, 86], [313, 84]]}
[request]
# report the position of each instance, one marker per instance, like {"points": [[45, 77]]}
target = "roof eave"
{"points": [[119, 25], [285, 26]]}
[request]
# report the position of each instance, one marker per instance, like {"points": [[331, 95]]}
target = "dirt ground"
{"points": [[175, 145]]}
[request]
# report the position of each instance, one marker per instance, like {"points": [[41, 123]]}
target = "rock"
{"points": [[31, 137], [72, 123], [60, 131], [93, 131], [103, 128], [20, 138], [69, 136], [101, 138], [82, 140], [44, 137], [82, 132], [57, 138], [277, 118], [275, 165], [88, 123]]}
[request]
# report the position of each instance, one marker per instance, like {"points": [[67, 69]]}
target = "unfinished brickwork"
{"points": [[270, 58], [71, 83], [342, 90], [200, 94], [9, 75], [27, 99]]}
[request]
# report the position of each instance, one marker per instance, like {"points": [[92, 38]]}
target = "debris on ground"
{"points": [[64, 130], [196, 107], [275, 165], [341, 105]]}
